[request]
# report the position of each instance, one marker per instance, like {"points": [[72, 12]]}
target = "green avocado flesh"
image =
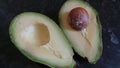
{"points": [[41, 40], [88, 42]]}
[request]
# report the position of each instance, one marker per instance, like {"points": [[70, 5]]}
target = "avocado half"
{"points": [[88, 42], [41, 40]]}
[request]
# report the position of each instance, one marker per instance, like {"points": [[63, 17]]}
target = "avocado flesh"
{"points": [[41, 40], [88, 42]]}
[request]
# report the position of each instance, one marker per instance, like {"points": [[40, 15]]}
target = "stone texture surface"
{"points": [[109, 12]]}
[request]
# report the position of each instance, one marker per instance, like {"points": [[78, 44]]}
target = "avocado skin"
{"points": [[100, 43], [100, 48], [29, 56]]}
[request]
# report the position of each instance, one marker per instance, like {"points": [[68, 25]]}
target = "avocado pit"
{"points": [[78, 18]]}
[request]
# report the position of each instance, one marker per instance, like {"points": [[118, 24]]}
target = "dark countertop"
{"points": [[109, 12]]}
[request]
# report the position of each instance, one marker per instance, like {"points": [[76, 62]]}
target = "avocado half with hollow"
{"points": [[82, 27], [41, 40]]}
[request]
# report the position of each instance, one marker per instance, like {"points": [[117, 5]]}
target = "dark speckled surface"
{"points": [[109, 12]]}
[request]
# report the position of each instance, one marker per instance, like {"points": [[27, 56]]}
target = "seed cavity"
{"points": [[42, 34]]}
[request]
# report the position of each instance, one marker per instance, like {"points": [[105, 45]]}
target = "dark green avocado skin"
{"points": [[109, 13]]}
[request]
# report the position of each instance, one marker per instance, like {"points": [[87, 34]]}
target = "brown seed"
{"points": [[78, 18]]}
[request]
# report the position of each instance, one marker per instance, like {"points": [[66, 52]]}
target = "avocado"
{"points": [[81, 25], [41, 40]]}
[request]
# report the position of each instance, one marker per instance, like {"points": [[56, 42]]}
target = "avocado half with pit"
{"points": [[81, 25], [41, 40]]}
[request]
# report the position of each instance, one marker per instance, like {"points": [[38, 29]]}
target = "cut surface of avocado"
{"points": [[41, 40], [87, 42]]}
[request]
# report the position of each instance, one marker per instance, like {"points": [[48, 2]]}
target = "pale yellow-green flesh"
{"points": [[42, 39], [85, 42]]}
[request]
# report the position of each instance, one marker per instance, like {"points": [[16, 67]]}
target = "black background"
{"points": [[109, 12]]}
